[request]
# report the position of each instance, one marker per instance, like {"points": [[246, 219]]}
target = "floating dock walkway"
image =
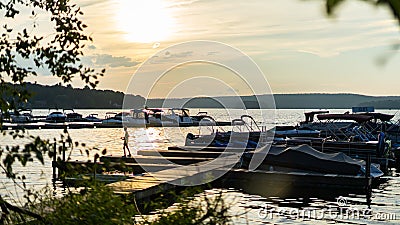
{"points": [[152, 183], [88, 125]]}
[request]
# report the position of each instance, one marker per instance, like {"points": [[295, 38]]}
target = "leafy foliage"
{"points": [[35, 149], [192, 206], [59, 52], [200, 210], [392, 5], [97, 205], [23, 52]]}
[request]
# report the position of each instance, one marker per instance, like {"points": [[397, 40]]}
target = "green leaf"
{"points": [[331, 5]]}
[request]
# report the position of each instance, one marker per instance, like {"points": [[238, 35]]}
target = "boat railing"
{"points": [[209, 123], [335, 131], [263, 137], [252, 126], [357, 130]]}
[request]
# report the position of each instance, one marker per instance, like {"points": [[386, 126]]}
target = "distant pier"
{"points": [[90, 125]]}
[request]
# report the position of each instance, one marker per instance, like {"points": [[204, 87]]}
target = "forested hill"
{"points": [[59, 96], [289, 101], [335, 101], [62, 97]]}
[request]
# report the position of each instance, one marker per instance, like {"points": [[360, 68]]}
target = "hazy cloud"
{"points": [[169, 57], [179, 54], [299, 52], [88, 3], [113, 61], [181, 3]]}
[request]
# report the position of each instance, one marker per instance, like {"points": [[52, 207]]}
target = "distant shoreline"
{"points": [[61, 97]]}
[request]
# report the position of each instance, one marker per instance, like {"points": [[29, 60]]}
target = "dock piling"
{"points": [[63, 152], [368, 179], [54, 163]]}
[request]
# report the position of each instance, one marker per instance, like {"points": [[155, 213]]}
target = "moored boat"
{"points": [[295, 171], [113, 119], [22, 116], [245, 133], [177, 116], [379, 150], [92, 118], [304, 158], [292, 131], [56, 117], [136, 118], [72, 116]]}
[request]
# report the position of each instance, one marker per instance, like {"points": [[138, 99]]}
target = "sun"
{"points": [[144, 21]]}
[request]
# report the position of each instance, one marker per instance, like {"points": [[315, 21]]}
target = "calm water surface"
{"points": [[246, 208]]}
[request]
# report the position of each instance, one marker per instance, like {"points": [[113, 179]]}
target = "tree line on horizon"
{"points": [[67, 97]]}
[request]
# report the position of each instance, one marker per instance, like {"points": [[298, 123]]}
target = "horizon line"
{"points": [[296, 93]]}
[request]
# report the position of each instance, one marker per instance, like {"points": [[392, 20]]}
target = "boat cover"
{"points": [[304, 157]]}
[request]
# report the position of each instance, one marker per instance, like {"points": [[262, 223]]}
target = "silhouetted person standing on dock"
{"points": [[126, 140]]}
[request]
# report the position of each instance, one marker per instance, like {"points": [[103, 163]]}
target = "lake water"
{"points": [[247, 209]]}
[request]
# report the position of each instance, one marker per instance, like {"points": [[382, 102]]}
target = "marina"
{"points": [[165, 166], [174, 157], [199, 112], [148, 117]]}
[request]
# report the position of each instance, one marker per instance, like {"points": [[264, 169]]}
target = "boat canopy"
{"points": [[153, 110], [378, 116], [136, 111], [180, 111], [359, 118], [310, 115]]}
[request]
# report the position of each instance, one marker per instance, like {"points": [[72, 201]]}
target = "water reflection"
{"points": [[256, 209]]}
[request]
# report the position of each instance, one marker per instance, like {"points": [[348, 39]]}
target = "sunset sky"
{"points": [[297, 47]]}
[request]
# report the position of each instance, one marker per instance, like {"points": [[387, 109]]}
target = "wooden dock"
{"points": [[154, 160], [150, 184], [81, 167]]}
